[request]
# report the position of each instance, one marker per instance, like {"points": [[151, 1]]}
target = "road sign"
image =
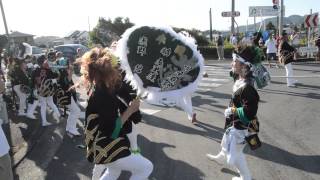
{"points": [[229, 14], [305, 50], [263, 11], [311, 20], [275, 2]]}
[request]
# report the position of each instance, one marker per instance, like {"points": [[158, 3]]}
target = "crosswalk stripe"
{"points": [[203, 89], [215, 80], [209, 84]]}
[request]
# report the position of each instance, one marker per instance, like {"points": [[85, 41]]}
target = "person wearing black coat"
{"points": [[20, 82], [109, 116], [286, 52], [240, 115]]}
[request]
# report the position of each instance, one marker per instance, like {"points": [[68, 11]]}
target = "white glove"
{"points": [[228, 112]]}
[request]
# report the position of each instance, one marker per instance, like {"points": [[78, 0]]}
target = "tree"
{"points": [[107, 31], [270, 26], [196, 34]]}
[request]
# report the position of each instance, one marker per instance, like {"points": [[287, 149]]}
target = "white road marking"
{"points": [[149, 111], [311, 76], [215, 80], [209, 84]]}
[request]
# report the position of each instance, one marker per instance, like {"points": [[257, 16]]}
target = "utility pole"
{"points": [[4, 19], [309, 39], [232, 17], [210, 17], [281, 17]]}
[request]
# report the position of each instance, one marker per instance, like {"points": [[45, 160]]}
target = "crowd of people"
{"points": [[112, 113], [278, 50]]}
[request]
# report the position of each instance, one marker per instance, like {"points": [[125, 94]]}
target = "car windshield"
{"points": [[36, 50]]}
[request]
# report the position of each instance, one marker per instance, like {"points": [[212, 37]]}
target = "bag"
{"points": [[261, 75], [253, 141]]}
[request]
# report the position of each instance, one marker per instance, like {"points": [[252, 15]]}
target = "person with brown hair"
{"points": [[108, 121]]}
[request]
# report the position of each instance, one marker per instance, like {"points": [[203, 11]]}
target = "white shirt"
{"points": [[271, 46], [295, 39], [4, 146], [234, 40]]}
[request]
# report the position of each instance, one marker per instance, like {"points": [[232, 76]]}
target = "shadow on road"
{"points": [[70, 162], [164, 166], [275, 154], [305, 95], [209, 131]]}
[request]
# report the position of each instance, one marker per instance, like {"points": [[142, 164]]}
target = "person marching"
{"points": [[20, 82], [69, 99], [240, 115], [45, 82], [286, 52], [107, 124]]}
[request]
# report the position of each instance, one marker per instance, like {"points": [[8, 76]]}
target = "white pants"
{"points": [[73, 117], [220, 51], [43, 102], [32, 107], [186, 105], [139, 166], [289, 74], [232, 145], [22, 98], [98, 169]]}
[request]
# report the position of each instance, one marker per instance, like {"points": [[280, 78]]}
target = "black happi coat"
{"points": [[63, 95], [246, 100], [19, 77], [286, 51], [102, 114], [45, 88]]}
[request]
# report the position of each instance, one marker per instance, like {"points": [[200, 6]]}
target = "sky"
{"points": [[59, 17]]}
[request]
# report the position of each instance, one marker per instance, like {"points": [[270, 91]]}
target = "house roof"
{"points": [[19, 34]]}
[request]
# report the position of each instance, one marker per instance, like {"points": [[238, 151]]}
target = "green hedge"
{"points": [[210, 52]]}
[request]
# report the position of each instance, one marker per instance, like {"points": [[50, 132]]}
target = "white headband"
{"points": [[239, 58]]}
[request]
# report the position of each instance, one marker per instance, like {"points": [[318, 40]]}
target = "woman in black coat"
{"points": [[109, 119]]}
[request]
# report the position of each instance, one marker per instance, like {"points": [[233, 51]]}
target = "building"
{"points": [[17, 37]]}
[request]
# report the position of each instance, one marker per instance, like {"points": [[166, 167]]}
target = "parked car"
{"points": [[70, 50], [36, 51]]}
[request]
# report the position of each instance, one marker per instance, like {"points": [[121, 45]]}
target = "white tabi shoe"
{"points": [[46, 124], [21, 114], [219, 159], [56, 116], [30, 116]]}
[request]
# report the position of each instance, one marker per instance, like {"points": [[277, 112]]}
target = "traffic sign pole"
{"points": [[232, 17], [281, 17]]}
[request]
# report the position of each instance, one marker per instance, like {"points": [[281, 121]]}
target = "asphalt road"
{"points": [[289, 122]]}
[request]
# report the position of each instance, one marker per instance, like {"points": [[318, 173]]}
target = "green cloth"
{"points": [[243, 118], [116, 131]]}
